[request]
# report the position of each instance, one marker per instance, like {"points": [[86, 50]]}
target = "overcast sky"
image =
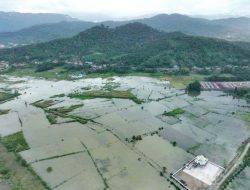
{"points": [[128, 8]]}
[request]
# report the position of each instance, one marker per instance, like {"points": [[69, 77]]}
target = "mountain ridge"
{"points": [[133, 44], [220, 28], [13, 21]]}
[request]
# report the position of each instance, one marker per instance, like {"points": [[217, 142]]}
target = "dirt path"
{"points": [[20, 178], [234, 167]]}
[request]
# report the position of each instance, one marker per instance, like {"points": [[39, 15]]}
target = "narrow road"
{"points": [[234, 167]]}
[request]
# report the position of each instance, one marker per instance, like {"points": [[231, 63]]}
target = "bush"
{"points": [[49, 169], [194, 87], [174, 112], [174, 143], [44, 67]]}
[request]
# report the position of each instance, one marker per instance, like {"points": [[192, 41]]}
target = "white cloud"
{"points": [[129, 8]]}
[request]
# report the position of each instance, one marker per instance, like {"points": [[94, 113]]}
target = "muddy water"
{"points": [[31, 119], [207, 127], [196, 127]]}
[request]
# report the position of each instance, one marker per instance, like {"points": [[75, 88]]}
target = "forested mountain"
{"points": [[233, 29], [182, 23], [244, 45], [13, 21], [134, 44], [236, 23], [45, 32]]}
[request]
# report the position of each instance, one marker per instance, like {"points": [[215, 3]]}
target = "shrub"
{"points": [[194, 87], [49, 169]]}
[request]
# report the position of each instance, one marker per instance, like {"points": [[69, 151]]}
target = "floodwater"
{"points": [[212, 124]]}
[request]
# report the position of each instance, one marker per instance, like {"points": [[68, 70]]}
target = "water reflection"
{"points": [[193, 93]]}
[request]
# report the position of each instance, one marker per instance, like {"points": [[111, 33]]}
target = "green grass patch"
{"points": [[43, 103], [58, 96], [241, 94], [246, 117], [15, 143], [3, 112], [79, 119], [100, 75], [112, 74], [110, 86], [4, 171], [106, 94], [52, 118], [179, 81], [65, 110], [86, 88], [174, 113], [61, 73], [5, 96], [58, 73], [194, 148]]}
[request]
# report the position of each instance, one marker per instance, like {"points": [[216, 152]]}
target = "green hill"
{"points": [[136, 45]]}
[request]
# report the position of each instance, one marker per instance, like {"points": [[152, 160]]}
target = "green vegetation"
{"points": [[49, 169], [86, 88], [15, 143], [136, 138], [3, 112], [246, 117], [44, 67], [129, 48], [194, 87], [246, 163], [106, 94], [58, 96], [15, 172], [110, 86], [65, 110], [130, 73], [231, 74], [58, 73], [194, 148], [51, 118], [174, 113], [53, 113], [241, 93], [4, 171], [43, 103], [5, 96], [174, 143], [163, 172], [79, 119], [182, 81]]}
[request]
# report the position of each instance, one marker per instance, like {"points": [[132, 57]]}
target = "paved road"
{"points": [[235, 166]]}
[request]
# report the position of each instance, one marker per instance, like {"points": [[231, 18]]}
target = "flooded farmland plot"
{"points": [[241, 182], [120, 132]]}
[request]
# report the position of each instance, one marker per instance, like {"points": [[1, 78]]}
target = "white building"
{"points": [[200, 160]]}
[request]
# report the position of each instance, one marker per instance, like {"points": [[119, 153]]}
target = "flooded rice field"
{"points": [[241, 182], [114, 143]]}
